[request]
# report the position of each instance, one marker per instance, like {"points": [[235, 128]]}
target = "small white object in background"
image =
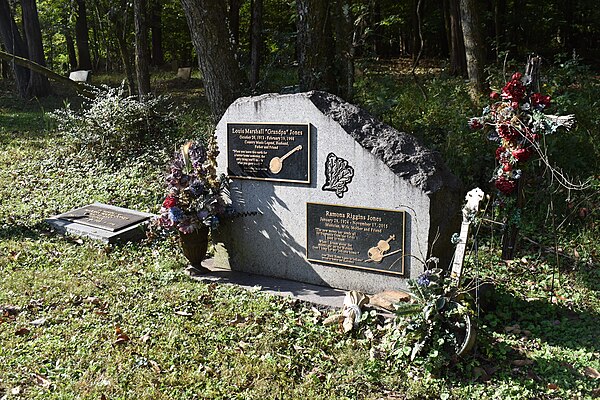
{"points": [[184, 73], [81, 76]]}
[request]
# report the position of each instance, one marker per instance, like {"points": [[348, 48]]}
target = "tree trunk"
{"points": [[82, 36], [38, 84], [72, 56], [81, 87], [126, 60], [474, 49], [4, 69], [314, 45], [120, 19], [499, 17], [344, 47], [454, 33], [255, 42], [141, 48], [234, 20], [158, 57], [14, 44], [222, 75]]}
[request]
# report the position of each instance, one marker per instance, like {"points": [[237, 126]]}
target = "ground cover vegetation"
{"points": [[79, 319], [84, 320]]}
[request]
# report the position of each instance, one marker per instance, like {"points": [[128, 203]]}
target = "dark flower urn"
{"points": [[194, 245]]}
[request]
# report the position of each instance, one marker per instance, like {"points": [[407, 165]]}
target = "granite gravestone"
{"points": [[103, 222], [184, 73], [81, 76], [343, 200]]}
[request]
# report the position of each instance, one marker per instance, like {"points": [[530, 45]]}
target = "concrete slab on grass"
{"points": [[320, 295]]}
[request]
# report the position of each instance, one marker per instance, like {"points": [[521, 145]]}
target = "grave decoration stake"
{"points": [[354, 301], [516, 121]]}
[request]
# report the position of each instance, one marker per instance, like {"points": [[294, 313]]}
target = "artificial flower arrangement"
{"points": [[516, 121], [196, 196], [435, 327]]}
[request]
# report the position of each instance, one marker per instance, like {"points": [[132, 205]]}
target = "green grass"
{"points": [[190, 340]]}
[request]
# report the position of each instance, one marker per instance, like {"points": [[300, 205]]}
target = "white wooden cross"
{"points": [[469, 211]]}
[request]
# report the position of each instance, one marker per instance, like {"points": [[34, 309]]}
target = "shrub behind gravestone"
{"points": [[114, 125]]}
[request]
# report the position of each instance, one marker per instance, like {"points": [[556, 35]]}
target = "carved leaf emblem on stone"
{"points": [[338, 174]]}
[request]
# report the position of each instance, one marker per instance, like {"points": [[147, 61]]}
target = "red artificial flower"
{"points": [[506, 186], [499, 152], [169, 202], [475, 123], [494, 95], [516, 76], [507, 167], [513, 90], [539, 100], [507, 132], [522, 154]]}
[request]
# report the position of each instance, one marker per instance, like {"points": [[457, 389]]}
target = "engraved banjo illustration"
{"points": [[276, 163]]}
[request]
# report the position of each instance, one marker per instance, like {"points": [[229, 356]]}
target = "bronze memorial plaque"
{"points": [[102, 217], [269, 151], [364, 238]]}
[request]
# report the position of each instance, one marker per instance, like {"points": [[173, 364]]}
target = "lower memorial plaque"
{"points": [[364, 238]]}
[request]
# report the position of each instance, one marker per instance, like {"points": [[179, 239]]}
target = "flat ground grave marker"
{"points": [[102, 222], [343, 200]]}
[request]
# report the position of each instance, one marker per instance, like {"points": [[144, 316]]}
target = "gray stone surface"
{"points": [[321, 295], [131, 233], [392, 171], [184, 73], [81, 76]]}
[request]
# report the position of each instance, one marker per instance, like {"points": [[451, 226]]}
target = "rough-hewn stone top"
{"points": [[403, 153]]}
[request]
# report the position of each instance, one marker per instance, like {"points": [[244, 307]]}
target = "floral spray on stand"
{"points": [[516, 121]]}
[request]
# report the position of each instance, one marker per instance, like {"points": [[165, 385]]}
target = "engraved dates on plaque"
{"points": [[363, 238], [269, 151]]}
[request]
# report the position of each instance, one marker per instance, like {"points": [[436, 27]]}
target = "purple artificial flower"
{"points": [[423, 279], [176, 214]]}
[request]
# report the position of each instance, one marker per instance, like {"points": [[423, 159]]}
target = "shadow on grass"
{"points": [[515, 357], [19, 231], [554, 324]]}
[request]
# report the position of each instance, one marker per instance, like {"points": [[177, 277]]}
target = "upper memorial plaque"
{"points": [[269, 151]]}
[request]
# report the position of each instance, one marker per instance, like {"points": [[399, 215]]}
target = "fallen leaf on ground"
{"points": [[10, 311], [146, 337], [41, 381], [591, 372], [237, 320], [121, 336], [183, 313], [22, 332], [155, 366], [92, 300], [15, 391], [552, 386], [521, 363], [38, 322]]}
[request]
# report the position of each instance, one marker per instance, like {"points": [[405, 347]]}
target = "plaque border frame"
{"points": [[402, 271], [254, 178]]}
